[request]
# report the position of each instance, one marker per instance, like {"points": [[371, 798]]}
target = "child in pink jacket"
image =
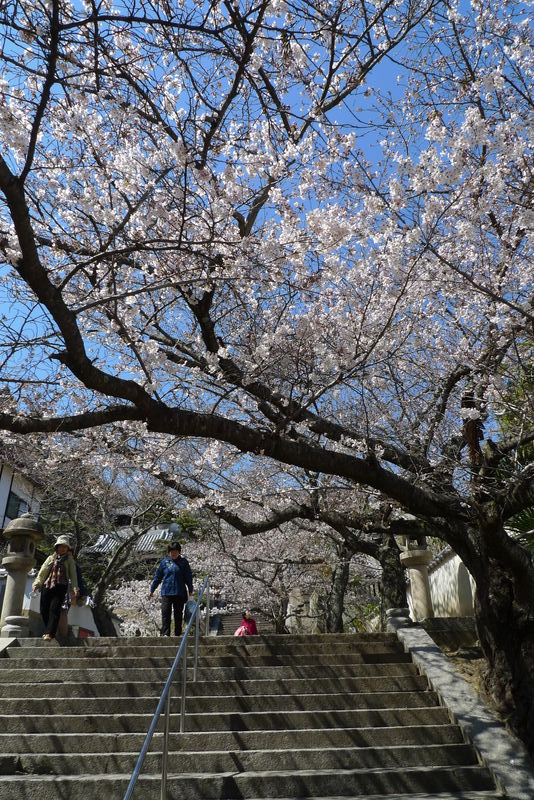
{"points": [[248, 626]]}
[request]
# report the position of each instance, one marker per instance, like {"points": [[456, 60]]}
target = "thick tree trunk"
{"points": [[336, 599], [103, 620], [393, 583], [504, 609], [280, 616]]}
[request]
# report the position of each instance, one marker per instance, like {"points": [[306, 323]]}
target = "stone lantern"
{"points": [[416, 559], [22, 535]]}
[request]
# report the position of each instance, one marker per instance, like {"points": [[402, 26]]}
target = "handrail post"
{"points": [[207, 633], [184, 679], [165, 748], [197, 632]]}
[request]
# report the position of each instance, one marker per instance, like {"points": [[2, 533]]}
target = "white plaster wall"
{"points": [[451, 587], [22, 487], [27, 492]]}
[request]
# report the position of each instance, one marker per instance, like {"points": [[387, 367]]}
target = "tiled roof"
{"points": [[145, 543]]}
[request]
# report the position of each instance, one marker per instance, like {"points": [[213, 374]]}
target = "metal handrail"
{"points": [[165, 697]]}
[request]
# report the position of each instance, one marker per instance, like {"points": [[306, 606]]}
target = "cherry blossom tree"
{"points": [[138, 615], [286, 508], [259, 572], [78, 500], [295, 557], [217, 224]]}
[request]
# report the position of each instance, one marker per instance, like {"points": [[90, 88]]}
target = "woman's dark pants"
{"points": [[51, 602], [168, 603]]}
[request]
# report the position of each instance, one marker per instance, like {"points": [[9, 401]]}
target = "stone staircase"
{"points": [[326, 716]]}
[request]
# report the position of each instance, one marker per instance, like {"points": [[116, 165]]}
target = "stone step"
{"points": [[245, 761], [292, 720], [471, 795], [222, 703], [310, 738], [241, 647], [482, 795], [242, 761], [236, 661], [221, 641], [270, 717], [85, 673], [402, 683], [230, 785], [308, 639]]}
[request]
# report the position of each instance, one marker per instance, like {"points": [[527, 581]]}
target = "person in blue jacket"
{"points": [[174, 574]]}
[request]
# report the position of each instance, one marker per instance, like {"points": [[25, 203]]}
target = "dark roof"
{"points": [[146, 543]]}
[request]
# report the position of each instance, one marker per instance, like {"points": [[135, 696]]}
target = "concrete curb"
{"points": [[5, 643], [505, 755]]}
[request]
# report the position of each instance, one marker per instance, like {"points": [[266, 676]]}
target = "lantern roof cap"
{"points": [[25, 525]]}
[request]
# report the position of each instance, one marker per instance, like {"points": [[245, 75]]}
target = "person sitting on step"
{"points": [[248, 627]]}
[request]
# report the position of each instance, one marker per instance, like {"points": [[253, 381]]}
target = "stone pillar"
{"points": [[416, 562], [297, 620], [22, 535]]}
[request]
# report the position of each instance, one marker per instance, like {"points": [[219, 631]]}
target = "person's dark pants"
{"points": [[51, 602], [168, 603]]}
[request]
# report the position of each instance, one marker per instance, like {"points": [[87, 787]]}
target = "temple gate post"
{"points": [[416, 558]]}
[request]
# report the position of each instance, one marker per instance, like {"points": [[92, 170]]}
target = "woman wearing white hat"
{"points": [[53, 581]]}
